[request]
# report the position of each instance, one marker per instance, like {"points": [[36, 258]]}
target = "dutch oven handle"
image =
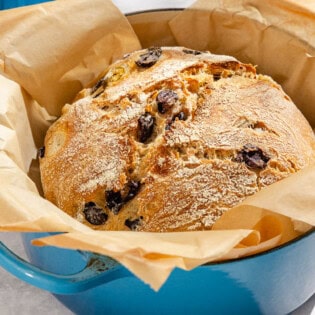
{"points": [[94, 274]]}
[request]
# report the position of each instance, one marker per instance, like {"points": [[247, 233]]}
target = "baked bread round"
{"points": [[169, 139]]}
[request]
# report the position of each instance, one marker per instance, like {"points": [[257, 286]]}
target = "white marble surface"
{"points": [[17, 297]]}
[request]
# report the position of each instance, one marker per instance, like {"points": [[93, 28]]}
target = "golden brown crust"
{"points": [[219, 133]]}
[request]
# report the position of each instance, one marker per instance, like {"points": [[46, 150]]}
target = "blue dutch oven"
{"points": [[274, 282], [9, 4]]}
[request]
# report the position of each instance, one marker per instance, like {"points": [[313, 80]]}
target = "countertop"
{"points": [[17, 297]]}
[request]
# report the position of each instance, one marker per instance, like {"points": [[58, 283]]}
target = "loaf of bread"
{"points": [[169, 139]]}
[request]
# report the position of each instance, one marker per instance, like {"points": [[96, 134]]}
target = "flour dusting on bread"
{"points": [[169, 139]]}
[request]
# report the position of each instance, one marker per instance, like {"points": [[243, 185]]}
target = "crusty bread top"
{"points": [[169, 139]]}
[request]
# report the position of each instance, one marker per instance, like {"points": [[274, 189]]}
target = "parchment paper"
{"points": [[50, 51]]}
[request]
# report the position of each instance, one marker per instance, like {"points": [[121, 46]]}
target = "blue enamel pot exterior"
{"points": [[9, 4], [275, 282]]}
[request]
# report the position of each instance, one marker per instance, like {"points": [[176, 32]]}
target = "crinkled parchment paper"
{"points": [[49, 52]]}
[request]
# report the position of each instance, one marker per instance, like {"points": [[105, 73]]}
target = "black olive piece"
{"points": [[216, 76], [114, 201], [253, 157], [134, 187], [168, 125], [94, 214], [145, 127], [41, 152], [165, 100], [98, 94], [192, 52], [179, 116], [101, 83], [133, 224], [149, 58], [98, 84]]}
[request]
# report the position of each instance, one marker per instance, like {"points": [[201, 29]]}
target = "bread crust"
{"points": [[171, 146]]}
